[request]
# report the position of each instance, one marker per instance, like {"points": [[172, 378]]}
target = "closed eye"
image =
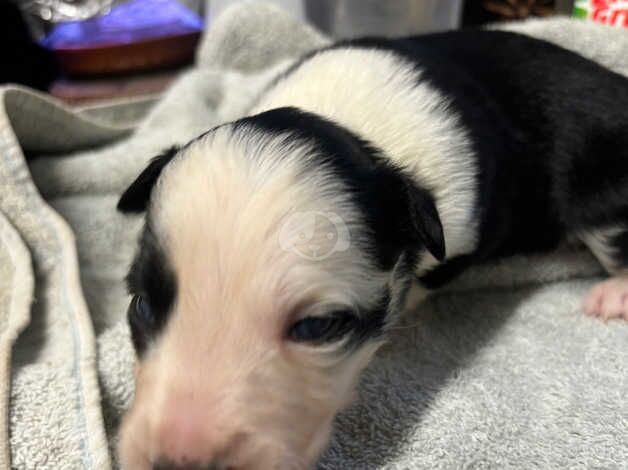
{"points": [[153, 283], [142, 322], [323, 329], [142, 310]]}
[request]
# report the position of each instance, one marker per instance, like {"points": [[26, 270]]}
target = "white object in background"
{"points": [[294, 7], [351, 18]]}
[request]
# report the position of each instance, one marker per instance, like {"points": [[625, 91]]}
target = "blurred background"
{"points": [[84, 51]]}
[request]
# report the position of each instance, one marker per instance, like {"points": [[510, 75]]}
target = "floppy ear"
{"points": [[406, 215], [426, 221], [136, 196]]}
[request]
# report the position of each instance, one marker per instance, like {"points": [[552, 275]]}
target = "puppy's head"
{"points": [[276, 252]]}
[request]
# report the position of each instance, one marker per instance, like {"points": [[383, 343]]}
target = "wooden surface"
{"points": [[75, 92], [139, 55]]}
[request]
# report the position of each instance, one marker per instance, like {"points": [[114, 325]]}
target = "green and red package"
{"points": [[610, 12]]}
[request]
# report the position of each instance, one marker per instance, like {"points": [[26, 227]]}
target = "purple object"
{"points": [[129, 22]]}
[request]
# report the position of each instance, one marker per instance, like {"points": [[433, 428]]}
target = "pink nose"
{"points": [[184, 436]]}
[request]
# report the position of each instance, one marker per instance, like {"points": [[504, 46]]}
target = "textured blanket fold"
{"points": [[500, 370]]}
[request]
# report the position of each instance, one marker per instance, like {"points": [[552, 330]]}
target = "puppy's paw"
{"points": [[608, 299]]}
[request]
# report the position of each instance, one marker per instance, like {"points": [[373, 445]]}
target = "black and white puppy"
{"points": [[279, 248]]}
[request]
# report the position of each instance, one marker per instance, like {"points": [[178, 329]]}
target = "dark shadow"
{"points": [[428, 350]]}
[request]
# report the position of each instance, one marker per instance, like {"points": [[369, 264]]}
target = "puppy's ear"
{"points": [[135, 198], [426, 221], [407, 215]]}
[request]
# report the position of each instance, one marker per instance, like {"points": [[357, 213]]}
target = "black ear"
{"points": [[136, 196], [404, 215], [426, 222]]}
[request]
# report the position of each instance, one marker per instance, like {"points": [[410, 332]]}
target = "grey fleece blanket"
{"points": [[502, 370]]}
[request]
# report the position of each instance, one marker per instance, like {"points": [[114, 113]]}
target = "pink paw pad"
{"points": [[608, 299]]}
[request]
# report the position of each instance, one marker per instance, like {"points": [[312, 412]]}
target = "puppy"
{"points": [[279, 249]]}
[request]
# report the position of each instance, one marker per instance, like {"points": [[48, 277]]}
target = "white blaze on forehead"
{"points": [[225, 209], [219, 209], [380, 97]]}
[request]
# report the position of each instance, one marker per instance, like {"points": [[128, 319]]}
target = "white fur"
{"points": [[222, 379], [231, 212], [244, 193], [379, 96]]}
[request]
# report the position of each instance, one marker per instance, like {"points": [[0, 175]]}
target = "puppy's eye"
{"points": [[322, 329], [141, 311], [142, 322]]}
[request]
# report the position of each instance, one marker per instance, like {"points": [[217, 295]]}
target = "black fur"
{"points": [[137, 195], [618, 245], [549, 129], [400, 214], [151, 278]]}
